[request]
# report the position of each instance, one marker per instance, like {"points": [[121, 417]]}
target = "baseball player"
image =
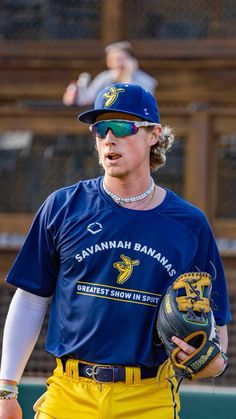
{"points": [[103, 252]]}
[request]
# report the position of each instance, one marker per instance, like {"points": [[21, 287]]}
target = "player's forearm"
{"points": [[213, 369], [21, 331], [223, 332]]}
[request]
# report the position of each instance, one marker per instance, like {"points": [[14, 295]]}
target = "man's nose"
{"points": [[110, 137]]}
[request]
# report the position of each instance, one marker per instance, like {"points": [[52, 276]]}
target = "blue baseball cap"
{"points": [[124, 98]]}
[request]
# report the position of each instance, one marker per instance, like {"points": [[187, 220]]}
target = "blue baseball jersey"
{"points": [[106, 268]]}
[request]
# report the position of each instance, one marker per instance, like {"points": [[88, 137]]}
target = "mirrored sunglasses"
{"points": [[119, 127]]}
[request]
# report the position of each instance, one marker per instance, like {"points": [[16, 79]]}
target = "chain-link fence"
{"points": [[35, 165], [50, 19], [79, 19], [181, 19], [226, 175]]}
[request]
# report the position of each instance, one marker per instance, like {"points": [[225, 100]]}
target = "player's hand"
{"points": [[213, 369], [10, 409], [70, 94]]}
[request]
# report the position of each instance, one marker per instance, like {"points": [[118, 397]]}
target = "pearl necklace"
{"points": [[122, 201]]}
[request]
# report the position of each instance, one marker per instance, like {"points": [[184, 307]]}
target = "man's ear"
{"points": [[155, 134]]}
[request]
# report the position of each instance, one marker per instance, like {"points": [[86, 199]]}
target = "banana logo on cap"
{"points": [[112, 95], [125, 268]]}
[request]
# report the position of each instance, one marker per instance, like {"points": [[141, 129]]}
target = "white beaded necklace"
{"points": [[123, 201]]}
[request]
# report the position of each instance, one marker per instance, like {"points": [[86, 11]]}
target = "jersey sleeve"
{"points": [[208, 259], [36, 267]]}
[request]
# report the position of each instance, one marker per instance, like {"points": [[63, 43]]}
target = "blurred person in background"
{"points": [[122, 67]]}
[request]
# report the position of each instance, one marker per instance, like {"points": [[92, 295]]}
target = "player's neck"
{"points": [[131, 189], [129, 186]]}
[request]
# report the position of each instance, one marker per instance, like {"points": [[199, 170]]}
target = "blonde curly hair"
{"points": [[158, 150]]}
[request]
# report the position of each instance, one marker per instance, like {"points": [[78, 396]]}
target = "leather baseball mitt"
{"points": [[185, 311]]}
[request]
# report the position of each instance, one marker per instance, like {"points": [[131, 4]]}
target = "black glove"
{"points": [[185, 312]]}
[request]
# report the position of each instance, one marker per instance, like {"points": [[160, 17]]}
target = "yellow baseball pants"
{"points": [[72, 397]]}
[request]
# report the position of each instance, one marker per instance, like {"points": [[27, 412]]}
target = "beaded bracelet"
{"points": [[8, 391]]}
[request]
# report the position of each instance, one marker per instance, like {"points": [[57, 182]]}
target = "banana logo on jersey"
{"points": [[125, 268], [112, 95]]}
